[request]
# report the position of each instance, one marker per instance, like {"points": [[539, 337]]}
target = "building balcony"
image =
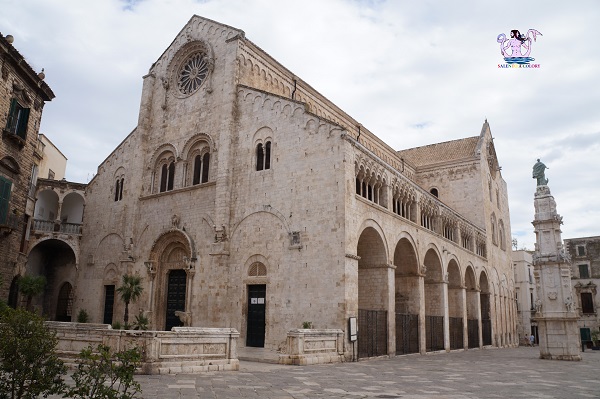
{"points": [[54, 226]]}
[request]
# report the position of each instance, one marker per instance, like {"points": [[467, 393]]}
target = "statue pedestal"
{"points": [[556, 318], [559, 338]]}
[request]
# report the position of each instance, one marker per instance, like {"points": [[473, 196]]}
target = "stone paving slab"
{"points": [[489, 373]]}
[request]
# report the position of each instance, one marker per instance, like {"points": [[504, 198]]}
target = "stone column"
{"points": [[446, 314], [555, 310]]}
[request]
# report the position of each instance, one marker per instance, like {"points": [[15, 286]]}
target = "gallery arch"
{"points": [[374, 281], [407, 297], [456, 308], [486, 313], [472, 296], [435, 301], [55, 260]]}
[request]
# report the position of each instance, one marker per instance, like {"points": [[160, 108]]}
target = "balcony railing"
{"points": [[52, 226], [70, 228]]}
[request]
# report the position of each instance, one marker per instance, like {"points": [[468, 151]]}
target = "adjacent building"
{"points": [[585, 266], [525, 295], [23, 94]]}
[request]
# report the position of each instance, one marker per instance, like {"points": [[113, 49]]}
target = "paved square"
{"points": [[490, 373]]}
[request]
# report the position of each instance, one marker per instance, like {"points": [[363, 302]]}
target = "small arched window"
{"points": [[167, 177], [257, 270], [197, 169], [205, 167], [434, 192], [119, 189], [201, 168], [260, 155], [263, 156]]}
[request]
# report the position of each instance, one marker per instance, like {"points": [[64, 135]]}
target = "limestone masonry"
{"points": [[247, 200]]}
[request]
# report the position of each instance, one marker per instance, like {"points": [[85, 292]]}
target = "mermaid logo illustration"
{"points": [[512, 49]]}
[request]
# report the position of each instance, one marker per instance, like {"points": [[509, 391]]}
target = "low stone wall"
{"points": [[307, 346], [182, 350]]}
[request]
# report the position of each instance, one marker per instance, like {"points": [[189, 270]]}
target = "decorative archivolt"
{"points": [[402, 189], [169, 237], [163, 151], [196, 139], [449, 219], [428, 206]]}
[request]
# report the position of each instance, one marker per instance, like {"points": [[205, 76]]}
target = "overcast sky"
{"points": [[412, 72]]}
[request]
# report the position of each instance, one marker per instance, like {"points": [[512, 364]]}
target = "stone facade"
{"points": [[245, 199], [525, 294], [585, 269], [23, 94]]}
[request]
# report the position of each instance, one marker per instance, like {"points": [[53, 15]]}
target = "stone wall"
{"points": [[183, 350], [306, 346]]}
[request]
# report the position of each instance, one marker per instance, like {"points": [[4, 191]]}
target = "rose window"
{"points": [[192, 74]]}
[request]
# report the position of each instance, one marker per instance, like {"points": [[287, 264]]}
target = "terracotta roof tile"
{"points": [[441, 152]]}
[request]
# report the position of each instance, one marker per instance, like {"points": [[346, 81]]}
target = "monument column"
{"points": [[555, 312]]}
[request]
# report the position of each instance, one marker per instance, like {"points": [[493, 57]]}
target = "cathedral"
{"points": [[245, 199]]}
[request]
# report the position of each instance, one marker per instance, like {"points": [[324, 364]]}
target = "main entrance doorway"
{"points": [[175, 297], [255, 332]]}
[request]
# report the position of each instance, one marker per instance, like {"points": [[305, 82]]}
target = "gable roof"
{"points": [[441, 152]]}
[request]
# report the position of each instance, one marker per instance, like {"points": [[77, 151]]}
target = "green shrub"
{"points": [[116, 325], [103, 374], [82, 316], [29, 366], [141, 322]]}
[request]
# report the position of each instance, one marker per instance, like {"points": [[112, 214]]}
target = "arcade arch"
{"points": [[55, 260], [374, 281], [407, 297], [456, 308], [435, 301]]}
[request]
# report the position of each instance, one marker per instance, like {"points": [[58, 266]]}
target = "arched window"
{"points": [[260, 155], [64, 306], [434, 192], [117, 189], [268, 155], [163, 178], [171, 176], [205, 167], [501, 234], [201, 168], [494, 230], [257, 269], [263, 156], [197, 169], [167, 177]]}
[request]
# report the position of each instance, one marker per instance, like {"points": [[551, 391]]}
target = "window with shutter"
{"points": [[5, 186], [587, 302], [18, 116]]}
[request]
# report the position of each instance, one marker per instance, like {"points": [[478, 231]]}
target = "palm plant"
{"points": [[31, 286], [130, 291]]}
